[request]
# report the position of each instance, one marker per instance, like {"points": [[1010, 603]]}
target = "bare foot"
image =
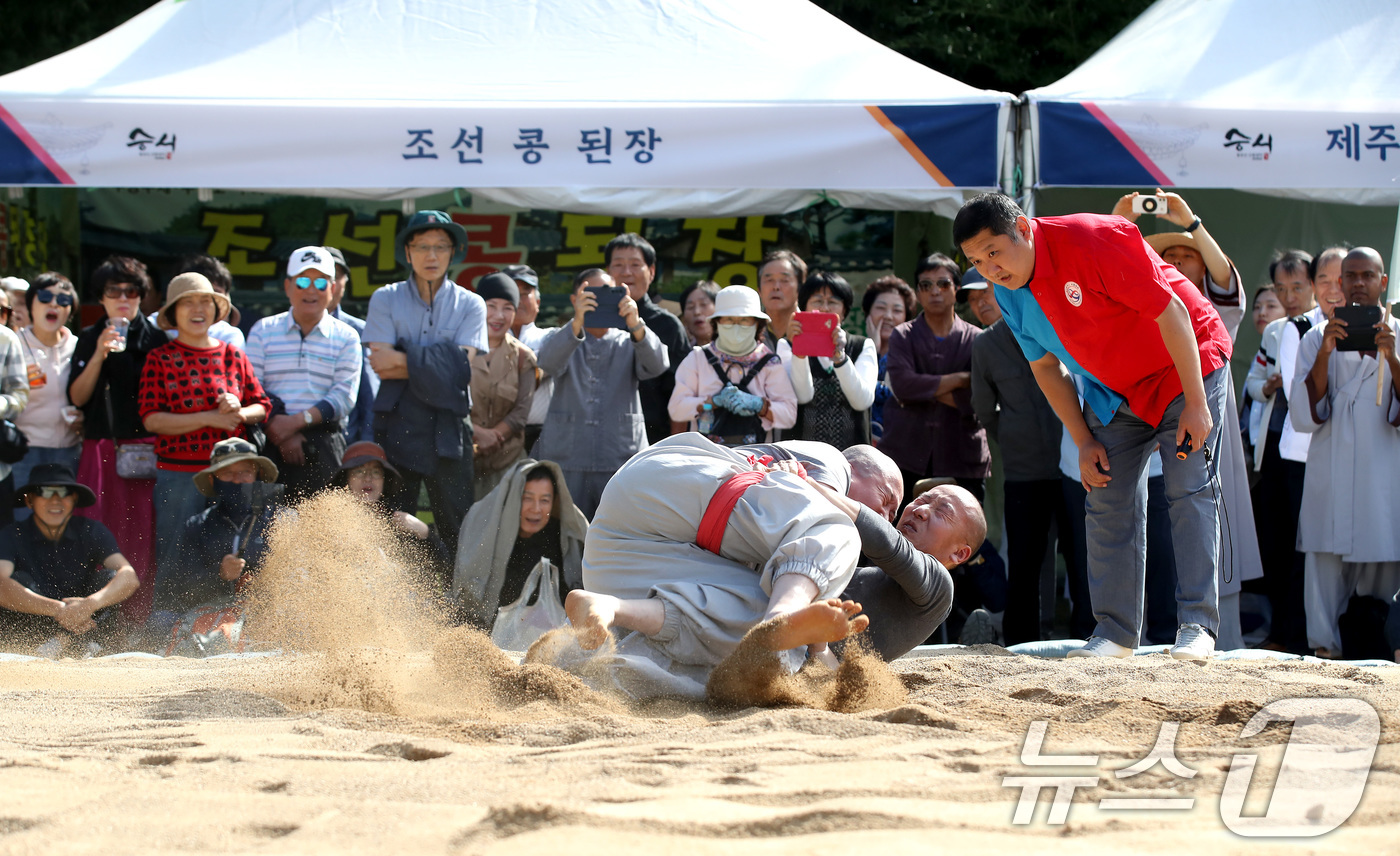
{"points": [[817, 623], [592, 615]]}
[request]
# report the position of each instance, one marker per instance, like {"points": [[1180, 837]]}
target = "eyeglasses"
{"points": [[432, 249], [926, 284], [62, 298], [55, 492], [117, 291], [6, 311], [305, 282]]}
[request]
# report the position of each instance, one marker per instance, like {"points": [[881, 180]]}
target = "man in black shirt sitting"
{"points": [[60, 573]]}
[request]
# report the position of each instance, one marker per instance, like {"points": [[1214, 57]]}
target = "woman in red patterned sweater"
{"points": [[195, 391]]}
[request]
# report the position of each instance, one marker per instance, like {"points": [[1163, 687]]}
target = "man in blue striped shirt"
{"points": [[309, 364]]}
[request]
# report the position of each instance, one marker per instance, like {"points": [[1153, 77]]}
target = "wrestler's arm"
{"points": [[921, 576]]}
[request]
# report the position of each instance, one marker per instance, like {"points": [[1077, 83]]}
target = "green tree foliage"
{"points": [[38, 29], [1009, 45]]}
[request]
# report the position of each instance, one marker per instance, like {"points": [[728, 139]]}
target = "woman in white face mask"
{"points": [[735, 389]]}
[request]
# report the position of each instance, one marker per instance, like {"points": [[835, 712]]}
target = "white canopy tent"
{"points": [[1290, 98], [1287, 97], [642, 107]]}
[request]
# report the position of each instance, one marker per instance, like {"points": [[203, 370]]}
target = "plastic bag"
{"points": [[519, 624]]}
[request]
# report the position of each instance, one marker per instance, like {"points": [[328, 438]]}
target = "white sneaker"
{"points": [[1193, 642], [1097, 646]]}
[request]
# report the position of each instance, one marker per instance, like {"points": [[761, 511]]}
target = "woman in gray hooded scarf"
{"points": [[528, 516]]}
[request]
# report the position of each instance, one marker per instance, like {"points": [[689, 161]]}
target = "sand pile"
{"points": [[359, 614]]}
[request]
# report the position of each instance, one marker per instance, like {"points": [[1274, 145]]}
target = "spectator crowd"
{"points": [[146, 457]]}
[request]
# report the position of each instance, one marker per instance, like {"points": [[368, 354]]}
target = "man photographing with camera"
{"points": [[1344, 394], [1086, 294], [595, 420]]}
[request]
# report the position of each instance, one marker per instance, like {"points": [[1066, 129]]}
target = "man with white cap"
{"points": [[309, 364]]}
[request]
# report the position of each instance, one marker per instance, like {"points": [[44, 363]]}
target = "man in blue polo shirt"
{"points": [[421, 334], [1086, 294]]}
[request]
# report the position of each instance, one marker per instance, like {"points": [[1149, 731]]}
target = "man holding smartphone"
{"points": [[595, 420], [631, 261], [1347, 527], [1086, 294]]}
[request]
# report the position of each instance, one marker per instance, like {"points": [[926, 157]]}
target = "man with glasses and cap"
{"points": [[422, 333], [309, 364], [59, 572]]}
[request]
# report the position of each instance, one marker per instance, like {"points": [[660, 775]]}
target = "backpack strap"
{"points": [[714, 364], [753, 371]]}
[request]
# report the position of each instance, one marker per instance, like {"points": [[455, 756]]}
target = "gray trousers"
{"points": [[1329, 583], [1116, 518]]}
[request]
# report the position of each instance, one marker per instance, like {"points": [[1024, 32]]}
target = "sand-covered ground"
{"points": [[373, 751], [395, 733]]}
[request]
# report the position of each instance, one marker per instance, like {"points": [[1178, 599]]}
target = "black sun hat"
{"points": [[54, 475]]}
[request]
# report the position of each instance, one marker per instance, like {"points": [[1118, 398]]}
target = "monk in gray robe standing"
{"points": [[1352, 486]]}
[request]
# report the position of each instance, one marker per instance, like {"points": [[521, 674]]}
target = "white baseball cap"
{"points": [[308, 258], [14, 283]]}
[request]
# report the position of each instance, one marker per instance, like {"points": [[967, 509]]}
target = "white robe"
{"points": [[1351, 490]]}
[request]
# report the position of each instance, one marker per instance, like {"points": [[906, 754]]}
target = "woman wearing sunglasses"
{"points": [[49, 421], [103, 382]]}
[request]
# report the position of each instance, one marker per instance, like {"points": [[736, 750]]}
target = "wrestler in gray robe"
{"points": [[641, 544], [1351, 489]]}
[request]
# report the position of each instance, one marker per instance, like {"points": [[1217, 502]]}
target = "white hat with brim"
{"points": [[187, 284], [738, 301]]}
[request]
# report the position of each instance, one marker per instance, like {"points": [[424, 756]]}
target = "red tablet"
{"points": [[815, 338]]}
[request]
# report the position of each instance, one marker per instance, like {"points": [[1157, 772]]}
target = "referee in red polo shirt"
{"points": [[1085, 294]]}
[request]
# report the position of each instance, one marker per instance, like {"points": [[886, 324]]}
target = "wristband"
{"points": [[640, 326], [1195, 224]]}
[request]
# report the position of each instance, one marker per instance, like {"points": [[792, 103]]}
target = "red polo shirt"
{"points": [[1102, 288]]}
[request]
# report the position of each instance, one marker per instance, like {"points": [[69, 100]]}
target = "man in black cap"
{"points": [[631, 261], [422, 333], [531, 336], [58, 572]]}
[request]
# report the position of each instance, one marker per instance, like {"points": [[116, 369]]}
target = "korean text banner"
{"points": [[1141, 144], [905, 147]]}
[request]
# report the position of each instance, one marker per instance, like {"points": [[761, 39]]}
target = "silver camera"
{"points": [[1150, 205]]}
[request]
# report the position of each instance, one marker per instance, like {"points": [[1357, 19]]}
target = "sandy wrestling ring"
{"points": [[391, 744]]}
